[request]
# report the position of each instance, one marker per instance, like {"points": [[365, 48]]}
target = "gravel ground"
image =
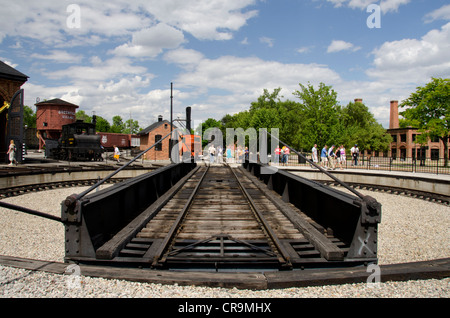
{"points": [[405, 235]]}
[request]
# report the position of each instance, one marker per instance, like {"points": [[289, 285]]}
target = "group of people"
{"points": [[334, 156], [281, 155], [215, 154]]}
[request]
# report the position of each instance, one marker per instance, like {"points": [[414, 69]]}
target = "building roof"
{"points": [[10, 73], [56, 102], [400, 129], [154, 126]]}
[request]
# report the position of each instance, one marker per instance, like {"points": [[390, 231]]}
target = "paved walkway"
{"points": [[432, 176]]}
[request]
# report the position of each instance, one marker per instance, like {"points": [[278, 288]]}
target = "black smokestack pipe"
{"points": [[188, 119]]}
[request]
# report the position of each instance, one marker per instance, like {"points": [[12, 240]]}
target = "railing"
{"points": [[427, 165]]}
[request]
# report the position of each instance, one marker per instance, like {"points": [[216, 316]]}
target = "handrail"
{"points": [[82, 194], [360, 195]]}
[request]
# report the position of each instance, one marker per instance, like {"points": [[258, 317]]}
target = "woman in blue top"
{"points": [[324, 157]]}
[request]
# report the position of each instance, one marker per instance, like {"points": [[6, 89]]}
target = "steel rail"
{"points": [[283, 257], [159, 257]]}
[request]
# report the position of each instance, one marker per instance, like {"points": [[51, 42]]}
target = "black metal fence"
{"points": [[427, 165]]}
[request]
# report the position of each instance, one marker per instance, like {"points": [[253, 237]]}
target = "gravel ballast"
{"points": [[411, 230]]}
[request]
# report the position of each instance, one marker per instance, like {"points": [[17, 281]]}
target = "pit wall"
{"points": [[414, 182]]}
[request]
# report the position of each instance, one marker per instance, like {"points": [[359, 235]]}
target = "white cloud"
{"points": [[186, 58], [46, 20], [442, 13], [386, 5], [58, 56], [241, 75], [337, 46], [151, 42], [100, 70], [204, 19], [413, 60]]}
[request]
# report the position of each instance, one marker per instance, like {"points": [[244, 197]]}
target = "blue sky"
{"points": [[119, 57]]}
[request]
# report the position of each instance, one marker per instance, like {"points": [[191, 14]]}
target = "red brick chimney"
{"points": [[358, 100], [393, 121]]}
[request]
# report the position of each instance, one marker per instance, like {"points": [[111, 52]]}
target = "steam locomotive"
{"points": [[78, 142]]}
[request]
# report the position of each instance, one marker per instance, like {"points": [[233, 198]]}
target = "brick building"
{"points": [[404, 143], [11, 80], [51, 115], [152, 134]]}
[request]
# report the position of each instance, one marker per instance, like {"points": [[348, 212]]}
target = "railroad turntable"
{"points": [[249, 226]]}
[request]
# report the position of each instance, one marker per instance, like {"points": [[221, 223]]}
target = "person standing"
{"points": [[212, 152], [229, 155], [286, 153], [12, 153], [324, 157], [338, 156], [355, 154], [314, 155], [277, 154], [343, 157], [331, 158]]}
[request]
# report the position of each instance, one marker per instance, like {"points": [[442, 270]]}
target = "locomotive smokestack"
{"points": [[188, 119]]}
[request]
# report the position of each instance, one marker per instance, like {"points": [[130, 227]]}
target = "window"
{"points": [[403, 154], [394, 153], [394, 138], [434, 154], [403, 137], [158, 147]]}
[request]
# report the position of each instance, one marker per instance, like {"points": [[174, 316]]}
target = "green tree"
{"points": [[358, 125], [102, 125], [131, 127], [81, 115], [319, 112], [29, 117], [428, 109], [117, 125], [210, 123]]}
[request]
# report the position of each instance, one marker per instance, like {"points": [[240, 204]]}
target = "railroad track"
{"points": [[426, 196], [222, 219], [27, 179], [16, 191]]}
